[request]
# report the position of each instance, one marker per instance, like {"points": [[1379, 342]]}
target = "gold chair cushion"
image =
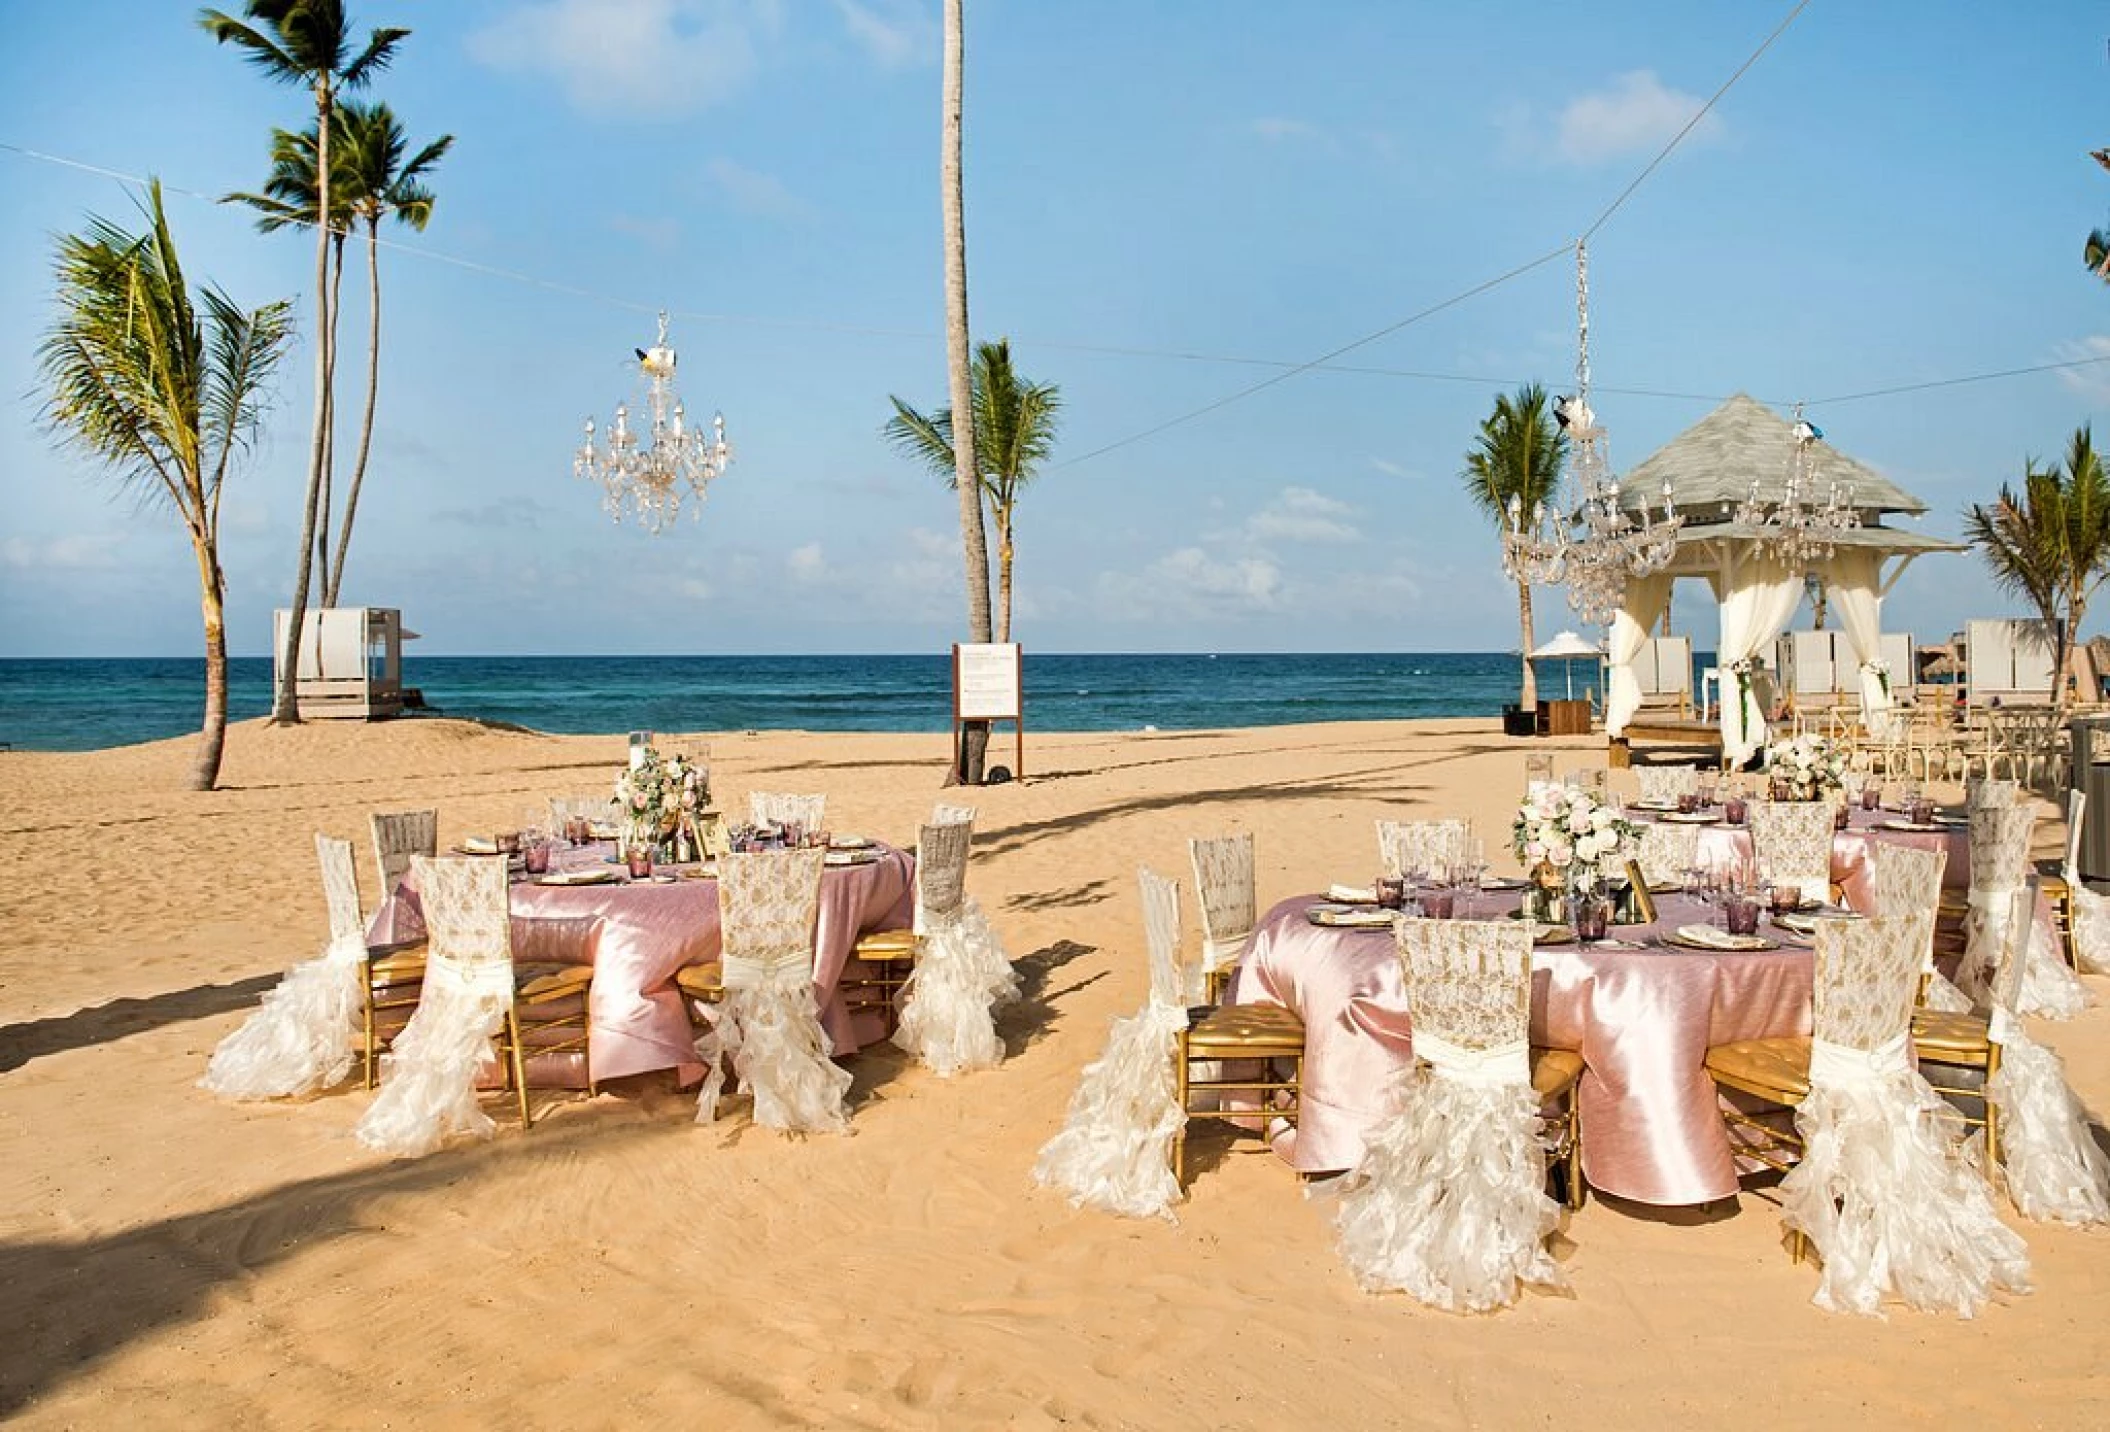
{"points": [[1554, 1071], [396, 964], [1776, 1069], [705, 982], [537, 984], [886, 945], [1232, 1030], [1950, 1038]]}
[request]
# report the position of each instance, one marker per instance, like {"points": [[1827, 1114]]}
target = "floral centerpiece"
{"points": [[1569, 841], [1806, 768], [659, 797]]}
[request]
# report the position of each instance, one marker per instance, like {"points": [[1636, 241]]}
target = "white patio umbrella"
{"points": [[1567, 648]]}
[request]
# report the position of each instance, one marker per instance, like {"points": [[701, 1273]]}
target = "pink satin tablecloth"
{"points": [[649, 931], [1642, 1019]]}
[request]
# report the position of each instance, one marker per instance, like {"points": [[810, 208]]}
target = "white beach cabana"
{"points": [[1567, 648], [1709, 470]]}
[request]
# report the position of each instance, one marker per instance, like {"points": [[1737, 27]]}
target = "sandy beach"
{"points": [[170, 1260]]}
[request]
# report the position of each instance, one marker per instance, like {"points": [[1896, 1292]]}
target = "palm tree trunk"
{"points": [[285, 706], [205, 770], [974, 540], [329, 448], [366, 422], [1003, 575], [1528, 688]]}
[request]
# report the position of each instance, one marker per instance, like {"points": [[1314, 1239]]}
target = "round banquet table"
{"points": [[1641, 1014], [649, 930]]}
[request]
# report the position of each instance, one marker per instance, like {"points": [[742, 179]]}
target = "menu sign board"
{"points": [[986, 686]]}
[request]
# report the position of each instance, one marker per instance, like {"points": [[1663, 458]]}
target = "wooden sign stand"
{"points": [[987, 686]]}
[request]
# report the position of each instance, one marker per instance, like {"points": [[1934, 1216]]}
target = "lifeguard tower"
{"points": [[351, 661]]}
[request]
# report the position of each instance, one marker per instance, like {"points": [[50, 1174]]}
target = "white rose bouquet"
{"points": [[1809, 767], [1572, 834], [661, 795]]}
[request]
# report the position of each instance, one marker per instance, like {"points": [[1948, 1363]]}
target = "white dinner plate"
{"points": [[576, 877]]}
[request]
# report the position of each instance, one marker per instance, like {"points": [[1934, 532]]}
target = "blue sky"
{"points": [[1891, 196]]}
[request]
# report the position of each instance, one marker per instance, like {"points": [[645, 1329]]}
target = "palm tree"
{"points": [[1516, 462], [161, 400], [974, 540], [307, 42], [1014, 430], [382, 184], [2096, 252], [2050, 543]]}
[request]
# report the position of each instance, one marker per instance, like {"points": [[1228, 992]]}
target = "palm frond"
{"points": [[1519, 454], [926, 439], [380, 49]]}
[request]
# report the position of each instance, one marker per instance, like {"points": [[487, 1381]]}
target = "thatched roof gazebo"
{"points": [[1708, 471]]}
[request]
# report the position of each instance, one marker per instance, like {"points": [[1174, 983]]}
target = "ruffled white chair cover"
{"points": [[1908, 882], [1667, 850], [1886, 1198], [1662, 785], [1448, 1202], [768, 1025], [779, 808], [300, 1040], [397, 837], [1114, 1150], [1421, 845], [2049, 1159], [2000, 837], [962, 975], [1223, 878], [2091, 927], [1792, 841], [429, 1077]]}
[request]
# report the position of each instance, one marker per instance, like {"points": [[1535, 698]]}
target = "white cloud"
{"points": [[1635, 114], [1279, 129], [659, 235], [75, 552], [2093, 381], [756, 194], [893, 32], [1390, 468], [651, 60], [1211, 584], [1298, 514], [807, 563]]}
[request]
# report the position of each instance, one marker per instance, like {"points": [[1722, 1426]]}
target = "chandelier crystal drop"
{"points": [[1798, 529], [1590, 543], [648, 479]]}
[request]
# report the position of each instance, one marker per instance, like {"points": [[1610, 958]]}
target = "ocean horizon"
{"points": [[91, 703]]}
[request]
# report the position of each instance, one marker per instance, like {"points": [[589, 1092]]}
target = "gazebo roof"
{"points": [[1711, 465]]}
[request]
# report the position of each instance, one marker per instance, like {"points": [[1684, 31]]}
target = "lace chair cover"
{"points": [[779, 808], [428, 1079], [2091, 928], [1883, 1194], [1662, 785], [1596, 779], [1223, 880], [1423, 845], [1449, 1202], [1981, 792], [943, 814], [2000, 869], [962, 975], [1793, 843], [768, 1025], [1908, 882], [398, 837], [1114, 1150], [299, 1040], [1667, 851]]}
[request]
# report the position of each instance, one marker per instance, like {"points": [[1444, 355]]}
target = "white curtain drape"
{"points": [[1639, 611], [1853, 586], [1758, 597]]}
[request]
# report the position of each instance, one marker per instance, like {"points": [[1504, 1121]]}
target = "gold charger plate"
{"points": [[1931, 828], [1350, 917], [1745, 944]]}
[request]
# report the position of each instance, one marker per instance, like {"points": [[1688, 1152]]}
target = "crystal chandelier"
{"points": [[1593, 545], [650, 481], [1799, 530]]}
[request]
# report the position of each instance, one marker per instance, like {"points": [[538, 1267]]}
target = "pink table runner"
{"points": [[1642, 1019], [649, 931]]}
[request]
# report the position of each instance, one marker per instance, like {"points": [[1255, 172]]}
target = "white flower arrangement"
{"points": [[660, 794], [1570, 832], [1810, 767]]}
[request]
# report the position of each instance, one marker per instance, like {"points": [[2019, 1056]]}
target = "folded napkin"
{"points": [[479, 845], [1715, 938], [1350, 917], [1352, 894]]}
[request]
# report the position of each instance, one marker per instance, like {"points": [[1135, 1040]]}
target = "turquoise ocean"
{"points": [[85, 704]]}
